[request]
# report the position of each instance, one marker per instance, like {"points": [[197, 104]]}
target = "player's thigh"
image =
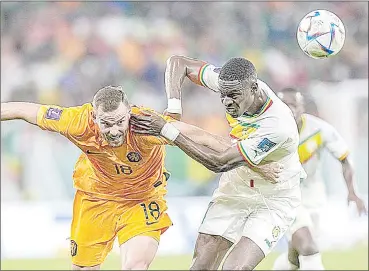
{"points": [[245, 255], [93, 230], [209, 251], [266, 226], [143, 218], [138, 252], [225, 217]]}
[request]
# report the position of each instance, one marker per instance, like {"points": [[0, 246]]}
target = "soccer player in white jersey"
{"points": [[247, 210], [315, 134]]}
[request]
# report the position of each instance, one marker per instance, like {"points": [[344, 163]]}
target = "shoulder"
{"points": [[138, 110]]}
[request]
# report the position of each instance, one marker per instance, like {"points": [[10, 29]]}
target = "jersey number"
{"points": [[153, 209], [121, 169]]}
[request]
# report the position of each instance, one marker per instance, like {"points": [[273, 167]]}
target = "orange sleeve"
{"points": [[67, 121]]}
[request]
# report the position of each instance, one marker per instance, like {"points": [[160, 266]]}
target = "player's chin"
{"points": [[116, 143]]}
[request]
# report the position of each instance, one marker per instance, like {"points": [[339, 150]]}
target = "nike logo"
{"points": [[91, 152]]}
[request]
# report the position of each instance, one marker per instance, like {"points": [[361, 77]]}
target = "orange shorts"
{"points": [[97, 222]]}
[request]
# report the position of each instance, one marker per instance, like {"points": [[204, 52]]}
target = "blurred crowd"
{"points": [[63, 52]]}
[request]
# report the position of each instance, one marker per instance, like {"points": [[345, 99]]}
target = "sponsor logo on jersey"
{"points": [[53, 113]]}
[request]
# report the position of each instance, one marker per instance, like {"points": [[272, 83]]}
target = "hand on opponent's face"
{"points": [[149, 123]]}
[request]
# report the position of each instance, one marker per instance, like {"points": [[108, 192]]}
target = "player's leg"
{"points": [[92, 236], [222, 224], [272, 215], [246, 255], [288, 260], [303, 250], [138, 252], [209, 251], [309, 255], [139, 230]]}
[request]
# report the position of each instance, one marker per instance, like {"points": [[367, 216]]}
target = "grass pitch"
{"points": [[354, 259]]}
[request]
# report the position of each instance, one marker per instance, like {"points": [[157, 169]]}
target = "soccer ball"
{"points": [[321, 34]]}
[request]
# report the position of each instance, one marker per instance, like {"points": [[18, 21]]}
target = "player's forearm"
{"points": [[196, 134], [348, 175], [206, 156], [177, 69], [20, 110]]}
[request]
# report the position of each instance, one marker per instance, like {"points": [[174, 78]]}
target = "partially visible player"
{"points": [[315, 135], [120, 178], [247, 210]]}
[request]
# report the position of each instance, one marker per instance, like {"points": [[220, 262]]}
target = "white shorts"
{"points": [[263, 218]]}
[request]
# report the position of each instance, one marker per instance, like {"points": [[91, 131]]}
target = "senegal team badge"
{"points": [[134, 157], [276, 231]]}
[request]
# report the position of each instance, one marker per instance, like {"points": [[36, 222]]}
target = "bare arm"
{"points": [[348, 174], [20, 110], [221, 160], [178, 68], [214, 142]]}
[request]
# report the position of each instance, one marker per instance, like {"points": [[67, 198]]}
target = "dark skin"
{"points": [[215, 158], [233, 96]]}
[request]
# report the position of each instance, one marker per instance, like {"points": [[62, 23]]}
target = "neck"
{"points": [[299, 123], [258, 103]]}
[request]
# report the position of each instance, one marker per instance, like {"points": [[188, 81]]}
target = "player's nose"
{"points": [[114, 132], [227, 101]]}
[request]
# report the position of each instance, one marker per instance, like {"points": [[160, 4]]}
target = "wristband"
{"points": [[174, 106], [169, 132]]}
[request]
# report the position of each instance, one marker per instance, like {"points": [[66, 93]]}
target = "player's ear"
{"points": [[93, 116], [254, 87]]}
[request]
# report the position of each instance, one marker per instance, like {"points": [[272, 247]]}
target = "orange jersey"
{"points": [[132, 172]]}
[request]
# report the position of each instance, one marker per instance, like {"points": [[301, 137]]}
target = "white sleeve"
{"points": [[255, 149], [208, 76], [334, 143]]}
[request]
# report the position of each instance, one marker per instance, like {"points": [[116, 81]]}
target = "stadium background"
{"points": [[61, 53]]}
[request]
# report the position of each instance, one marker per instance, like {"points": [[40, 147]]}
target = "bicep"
{"points": [[68, 121], [334, 143], [196, 134], [231, 158]]}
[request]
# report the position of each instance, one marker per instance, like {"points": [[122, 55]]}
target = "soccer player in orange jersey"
{"points": [[120, 178]]}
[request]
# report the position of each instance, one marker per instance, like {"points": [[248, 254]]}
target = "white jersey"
{"points": [[268, 136], [315, 135]]}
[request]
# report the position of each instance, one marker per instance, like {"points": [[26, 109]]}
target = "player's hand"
{"points": [[360, 205], [172, 115], [271, 171], [149, 123]]}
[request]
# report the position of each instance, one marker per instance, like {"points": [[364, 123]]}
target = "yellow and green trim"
{"points": [[201, 74], [344, 156], [244, 155]]}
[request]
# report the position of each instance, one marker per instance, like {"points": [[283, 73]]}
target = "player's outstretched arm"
{"points": [[215, 158], [214, 142], [20, 110], [348, 174]]}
